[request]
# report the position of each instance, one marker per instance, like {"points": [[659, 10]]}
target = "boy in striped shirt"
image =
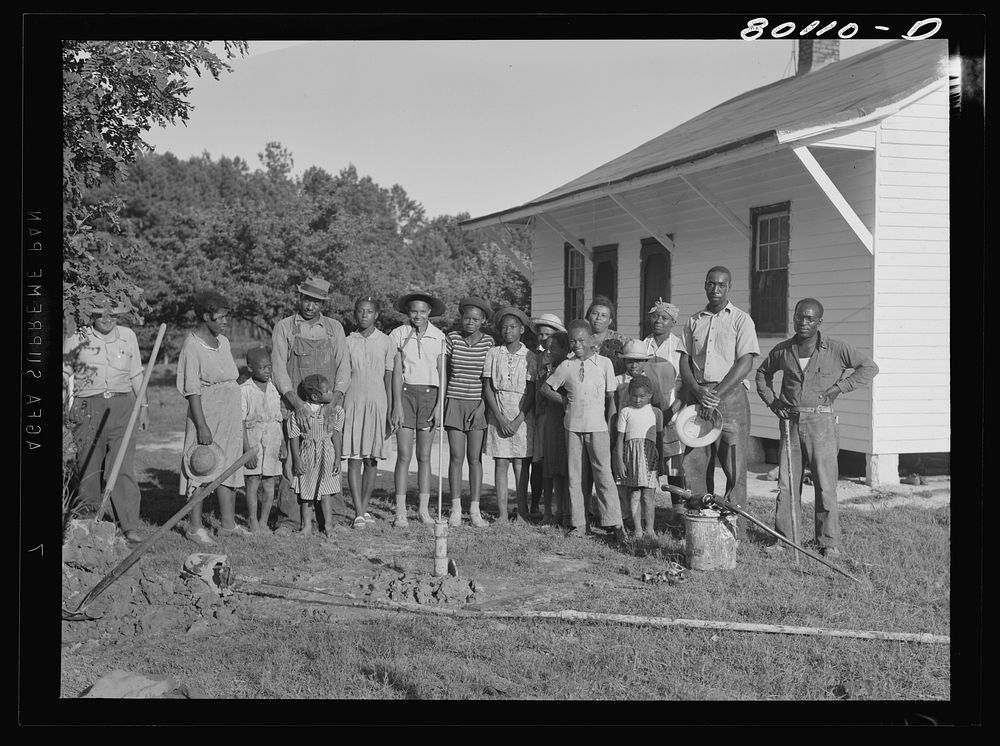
{"points": [[464, 409]]}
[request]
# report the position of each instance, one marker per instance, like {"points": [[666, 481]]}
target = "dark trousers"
{"points": [[699, 463], [815, 441], [98, 436]]}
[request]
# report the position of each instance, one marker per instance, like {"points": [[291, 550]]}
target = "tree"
{"points": [[113, 91]]}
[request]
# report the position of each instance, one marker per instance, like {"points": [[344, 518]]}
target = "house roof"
{"points": [[836, 95]]}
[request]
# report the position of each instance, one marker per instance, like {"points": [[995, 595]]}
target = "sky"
{"points": [[467, 126]]}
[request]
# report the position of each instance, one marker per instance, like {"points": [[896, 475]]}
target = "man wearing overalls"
{"points": [[304, 343], [812, 376]]}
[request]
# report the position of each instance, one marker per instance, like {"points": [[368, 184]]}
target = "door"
{"points": [[606, 275], [654, 269]]}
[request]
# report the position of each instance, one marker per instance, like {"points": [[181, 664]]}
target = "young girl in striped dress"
{"points": [[316, 454], [636, 453]]}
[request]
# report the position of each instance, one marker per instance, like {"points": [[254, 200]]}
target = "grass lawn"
{"points": [[314, 648]]}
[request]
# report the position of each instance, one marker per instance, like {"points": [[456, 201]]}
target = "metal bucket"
{"points": [[710, 540]]}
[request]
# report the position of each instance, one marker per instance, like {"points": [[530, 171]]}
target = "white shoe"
{"points": [[200, 536], [426, 518], [400, 522], [455, 519]]}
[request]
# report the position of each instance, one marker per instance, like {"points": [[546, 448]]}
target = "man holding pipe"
{"points": [[304, 343], [812, 370], [103, 372], [720, 343]]}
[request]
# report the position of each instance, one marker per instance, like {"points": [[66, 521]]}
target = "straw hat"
{"points": [[315, 287], [437, 306], [693, 431], [549, 319], [204, 463], [517, 313], [635, 349]]}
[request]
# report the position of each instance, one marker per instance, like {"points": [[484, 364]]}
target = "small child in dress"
{"points": [[637, 448], [261, 407], [316, 454]]}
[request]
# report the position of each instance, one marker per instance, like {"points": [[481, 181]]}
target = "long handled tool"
{"points": [[697, 502], [441, 392], [122, 567], [792, 486], [120, 456]]}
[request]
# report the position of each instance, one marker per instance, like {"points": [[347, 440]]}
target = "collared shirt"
{"points": [[585, 410], [257, 405], [102, 363], [716, 340], [319, 327], [465, 366], [419, 354], [829, 361]]}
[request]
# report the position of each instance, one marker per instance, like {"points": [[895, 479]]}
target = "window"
{"points": [[655, 273], [769, 268], [574, 284], [606, 274]]}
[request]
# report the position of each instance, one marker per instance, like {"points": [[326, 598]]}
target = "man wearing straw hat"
{"points": [[103, 369], [720, 343], [812, 377], [302, 344]]}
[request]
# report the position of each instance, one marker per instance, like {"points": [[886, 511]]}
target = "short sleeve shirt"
{"points": [[465, 366], [586, 392], [419, 353], [259, 406], [715, 341], [638, 423], [199, 365], [510, 371], [103, 363]]}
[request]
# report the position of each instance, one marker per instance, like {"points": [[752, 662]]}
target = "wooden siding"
{"points": [[827, 261], [912, 393]]}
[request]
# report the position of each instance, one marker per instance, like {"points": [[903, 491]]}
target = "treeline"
{"points": [[254, 234]]}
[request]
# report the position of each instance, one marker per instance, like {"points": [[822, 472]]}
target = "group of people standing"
{"points": [[584, 410]]}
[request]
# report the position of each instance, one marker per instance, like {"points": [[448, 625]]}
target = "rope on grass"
{"points": [[571, 615]]}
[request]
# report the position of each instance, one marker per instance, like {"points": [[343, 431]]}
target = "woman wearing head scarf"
{"points": [[664, 367]]}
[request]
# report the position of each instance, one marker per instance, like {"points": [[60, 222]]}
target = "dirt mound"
{"points": [[141, 601]]}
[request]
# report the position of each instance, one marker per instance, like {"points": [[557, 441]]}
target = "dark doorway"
{"points": [[654, 269], [606, 274]]}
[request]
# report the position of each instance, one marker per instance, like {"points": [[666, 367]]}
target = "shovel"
{"points": [[791, 488], [122, 567], [120, 456]]}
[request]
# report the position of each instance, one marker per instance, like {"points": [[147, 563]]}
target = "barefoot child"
{"points": [[640, 431], [261, 428], [589, 380], [316, 454], [464, 408]]}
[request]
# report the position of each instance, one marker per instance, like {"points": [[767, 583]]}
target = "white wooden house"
{"points": [[831, 184]]}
